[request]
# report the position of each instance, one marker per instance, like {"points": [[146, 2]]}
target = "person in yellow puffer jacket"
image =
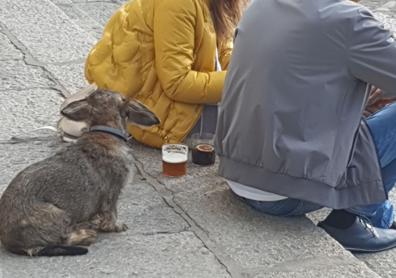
{"points": [[163, 53]]}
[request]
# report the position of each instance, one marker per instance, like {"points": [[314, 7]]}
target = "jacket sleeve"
{"points": [[174, 42], [225, 53], [372, 52]]}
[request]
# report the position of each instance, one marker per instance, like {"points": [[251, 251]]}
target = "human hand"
{"points": [[376, 102]]}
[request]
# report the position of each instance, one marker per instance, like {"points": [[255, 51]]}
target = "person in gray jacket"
{"points": [[291, 134]]}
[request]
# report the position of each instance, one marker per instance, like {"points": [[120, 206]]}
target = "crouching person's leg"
{"points": [[369, 228], [383, 129]]}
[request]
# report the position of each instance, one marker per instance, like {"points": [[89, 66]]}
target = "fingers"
{"points": [[374, 96], [374, 89]]}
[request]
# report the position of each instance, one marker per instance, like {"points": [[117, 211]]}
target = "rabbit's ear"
{"points": [[77, 111], [138, 114], [81, 95]]}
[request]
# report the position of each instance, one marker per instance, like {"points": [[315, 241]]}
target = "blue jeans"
{"points": [[383, 129]]}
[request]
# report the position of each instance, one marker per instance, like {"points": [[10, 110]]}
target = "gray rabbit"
{"points": [[57, 205]]}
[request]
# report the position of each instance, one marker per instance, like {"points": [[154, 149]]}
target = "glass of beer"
{"points": [[202, 149], [174, 160]]}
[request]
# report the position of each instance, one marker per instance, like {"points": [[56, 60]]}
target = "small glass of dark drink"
{"points": [[202, 149]]}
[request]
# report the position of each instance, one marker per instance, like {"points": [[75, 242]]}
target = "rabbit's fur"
{"points": [[61, 202]]}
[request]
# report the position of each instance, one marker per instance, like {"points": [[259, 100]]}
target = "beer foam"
{"points": [[173, 157]]}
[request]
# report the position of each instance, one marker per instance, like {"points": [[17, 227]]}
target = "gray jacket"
{"points": [[290, 121]]}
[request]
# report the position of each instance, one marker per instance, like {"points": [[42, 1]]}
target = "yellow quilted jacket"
{"points": [[161, 52]]}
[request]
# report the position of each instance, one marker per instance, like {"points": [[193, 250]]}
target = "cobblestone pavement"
{"points": [[186, 227]]}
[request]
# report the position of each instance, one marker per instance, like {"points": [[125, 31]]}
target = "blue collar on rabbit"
{"points": [[111, 130]]}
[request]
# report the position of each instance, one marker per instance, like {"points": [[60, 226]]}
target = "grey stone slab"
{"points": [[23, 111], [255, 240], [388, 7], [45, 30], [382, 263], [196, 190], [8, 50], [16, 75], [71, 76], [389, 22], [373, 4], [144, 211], [149, 157], [384, 11], [250, 239], [379, 5], [121, 255], [319, 215], [196, 185], [62, 2], [82, 19], [323, 268], [100, 11]]}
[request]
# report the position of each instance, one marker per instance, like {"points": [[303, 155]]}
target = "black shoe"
{"points": [[362, 237]]}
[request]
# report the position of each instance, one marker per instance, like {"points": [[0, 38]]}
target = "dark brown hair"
{"points": [[226, 15]]}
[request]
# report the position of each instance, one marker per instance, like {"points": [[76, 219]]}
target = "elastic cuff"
{"points": [[215, 87]]}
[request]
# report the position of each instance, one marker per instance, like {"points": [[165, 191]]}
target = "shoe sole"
{"points": [[360, 250]]}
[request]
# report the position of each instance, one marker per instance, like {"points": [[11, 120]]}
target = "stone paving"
{"points": [[186, 227]]}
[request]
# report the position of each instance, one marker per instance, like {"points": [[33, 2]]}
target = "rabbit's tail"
{"points": [[58, 250]]}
